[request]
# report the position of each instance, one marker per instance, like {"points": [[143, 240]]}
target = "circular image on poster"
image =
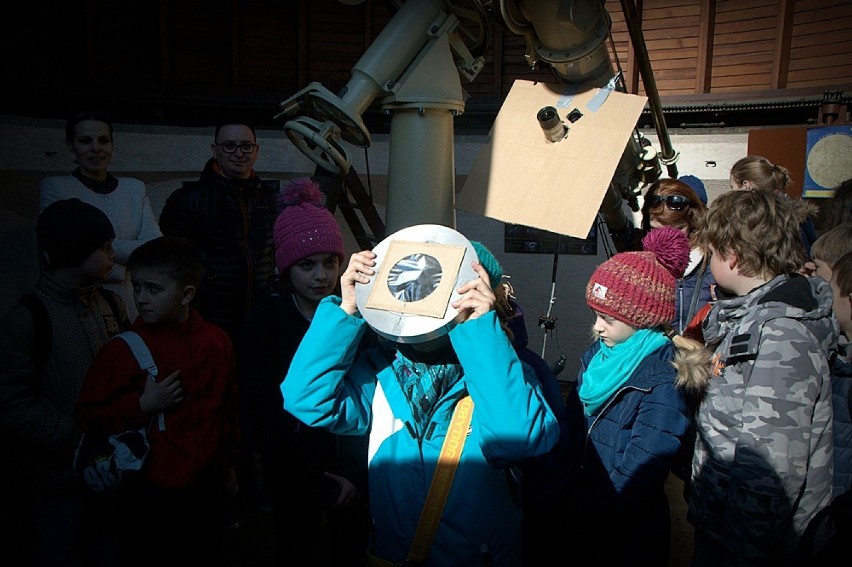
{"points": [[830, 160]]}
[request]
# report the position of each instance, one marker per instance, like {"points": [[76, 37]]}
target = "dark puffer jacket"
{"points": [[841, 397], [631, 445], [231, 224]]}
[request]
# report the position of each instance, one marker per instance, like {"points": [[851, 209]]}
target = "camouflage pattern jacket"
{"points": [[762, 466]]}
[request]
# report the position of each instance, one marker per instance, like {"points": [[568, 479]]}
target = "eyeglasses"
{"points": [[673, 202], [231, 147]]}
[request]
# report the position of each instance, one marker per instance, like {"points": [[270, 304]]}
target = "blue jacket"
{"points": [[630, 446], [686, 287], [331, 384], [841, 401]]}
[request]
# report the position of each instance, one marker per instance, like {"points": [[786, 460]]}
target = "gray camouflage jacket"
{"points": [[762, 465]]}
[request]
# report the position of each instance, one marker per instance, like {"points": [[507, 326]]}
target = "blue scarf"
{"points": [[610, 367], [423, 385]]}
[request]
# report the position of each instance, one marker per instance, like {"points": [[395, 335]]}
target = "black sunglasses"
{"points": [[673, 202]]}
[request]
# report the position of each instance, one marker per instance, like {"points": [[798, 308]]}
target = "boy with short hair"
{"points": [[826, 541], [182, 491], [827, 253], [829, 247], [45, 350], [841, 287], [762, 466]]}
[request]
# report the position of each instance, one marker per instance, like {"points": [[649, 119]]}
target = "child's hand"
{"points": [[158, 396], [808, 269], [477, 297], [360, 267], [348, 491]]}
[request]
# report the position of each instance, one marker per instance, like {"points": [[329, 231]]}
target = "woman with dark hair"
{"points": [[89, 138], [670, 202]]}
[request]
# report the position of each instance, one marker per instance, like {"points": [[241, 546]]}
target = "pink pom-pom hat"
{"points": [[305, 226], [638, 288]]}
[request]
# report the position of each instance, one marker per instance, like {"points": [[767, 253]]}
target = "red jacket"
{"points": [[201, 431]]}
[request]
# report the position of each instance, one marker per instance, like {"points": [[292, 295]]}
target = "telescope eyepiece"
{"points": [[553, 127]]}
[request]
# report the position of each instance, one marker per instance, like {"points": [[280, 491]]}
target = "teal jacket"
{"points": [[332, 385]]}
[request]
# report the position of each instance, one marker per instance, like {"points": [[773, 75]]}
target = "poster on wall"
{"points": [[828, 160]]}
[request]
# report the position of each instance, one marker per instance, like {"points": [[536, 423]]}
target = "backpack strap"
{"points": [[42, 327], [146, 363], [140, 351], [696, 291]]}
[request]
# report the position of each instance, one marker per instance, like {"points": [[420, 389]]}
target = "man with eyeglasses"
{"points": [[228, 213]]}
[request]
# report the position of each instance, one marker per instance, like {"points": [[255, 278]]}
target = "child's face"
{"points": [[159, 298], [842, 305], [822, 270], [726, 277], [315, 277], [610, 330], [98, 265]]}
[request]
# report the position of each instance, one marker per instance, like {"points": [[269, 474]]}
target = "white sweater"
{"points": [[128, 209]]}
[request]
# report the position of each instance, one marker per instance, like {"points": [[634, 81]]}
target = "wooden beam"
{"points": [[706, 36], [631, 81], [165, 44], [368, 24], [235, 45], [90, 40], [302, 49], [781, 59]]}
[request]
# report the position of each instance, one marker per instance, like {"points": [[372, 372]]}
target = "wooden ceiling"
{"points": [[190, 61]]}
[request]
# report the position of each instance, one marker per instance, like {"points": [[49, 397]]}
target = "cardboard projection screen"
{"points": [[520, 177]]}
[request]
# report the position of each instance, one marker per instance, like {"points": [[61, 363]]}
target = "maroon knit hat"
{"points": [[638, 288], [304, 227]]}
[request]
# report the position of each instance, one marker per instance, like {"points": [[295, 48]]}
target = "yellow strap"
{"points": [[442, 480]]}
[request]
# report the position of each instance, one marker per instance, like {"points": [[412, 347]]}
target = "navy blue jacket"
{"points": [[841, 401], [629, 448], [684, 292]]}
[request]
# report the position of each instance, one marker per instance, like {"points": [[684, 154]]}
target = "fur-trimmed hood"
{"points": [[693, 366]]}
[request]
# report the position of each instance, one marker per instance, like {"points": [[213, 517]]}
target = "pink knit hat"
{"points": [[304, 227], [638, 288]]}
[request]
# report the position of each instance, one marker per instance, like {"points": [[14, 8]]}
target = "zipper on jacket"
{"points": [[430, 431], [607, 406], [246, 252]]}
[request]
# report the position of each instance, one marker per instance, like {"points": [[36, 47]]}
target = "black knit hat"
{"points": [[70, 230]]}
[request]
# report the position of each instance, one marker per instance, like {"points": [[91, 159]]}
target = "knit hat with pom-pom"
{"points": [[305, 226], [638, 288]]}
